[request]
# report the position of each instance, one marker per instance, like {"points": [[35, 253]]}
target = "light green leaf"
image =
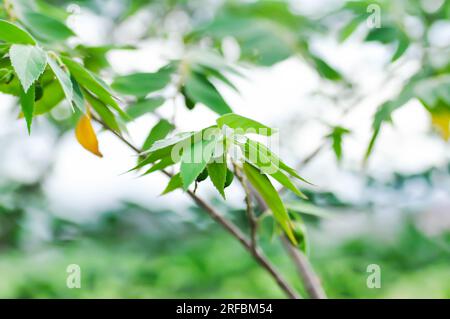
{"points": [[158, 132], [217, 171], [46, 27], [265, 188], [27, 104], [28, 62], [194, 160], [200, 90], [12, 33], [239, 122], [141, 84], [63, 78], [174, 183]]}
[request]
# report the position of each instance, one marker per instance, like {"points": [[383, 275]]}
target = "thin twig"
{"points": [[228, 225]]}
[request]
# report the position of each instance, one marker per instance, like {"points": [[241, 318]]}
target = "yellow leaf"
{"points": [[441, 121], [86, 135]]}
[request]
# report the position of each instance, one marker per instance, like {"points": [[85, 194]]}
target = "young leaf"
{"points": [[194, 160], [27, 104], [239, 122], [217, 173], [265, 188], [199, 89], [12, 33], [86, 135], [158, 132], [63, 79], [28, 62], [174, 183]]}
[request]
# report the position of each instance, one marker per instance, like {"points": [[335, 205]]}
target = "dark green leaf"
{"points": [[199, 89], [27, 104]]}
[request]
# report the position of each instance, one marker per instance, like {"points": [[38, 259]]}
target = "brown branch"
{"points": [[228, 225], [311, 281]]}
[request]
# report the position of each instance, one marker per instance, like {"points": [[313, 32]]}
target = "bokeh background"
{"points": [[60, 205]]}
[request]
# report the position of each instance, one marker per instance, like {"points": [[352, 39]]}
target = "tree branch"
{"points": [[228, 225]]}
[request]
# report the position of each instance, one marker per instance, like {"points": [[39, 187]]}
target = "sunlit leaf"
{"points": [[29, 63]]}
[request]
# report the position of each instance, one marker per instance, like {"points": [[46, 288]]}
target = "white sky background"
{"points": [[80, 184]]}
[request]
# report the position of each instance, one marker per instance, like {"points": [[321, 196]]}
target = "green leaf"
{"points": [[63, 79], [105, 114], [46, 27], [29, 63], [78, 97], [12, 33], [157, 145], [194, 160], [27, 104], [326, 70], [217, 171], [52, 96], [402, 45], [144, 106], [267, 160], [239, 122], [286, 182], [174, 183], [265, 188], [200, 90], [336, 137], [350, 27], [141, 84], [158, 132], [162, 164], [91, 83]]}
